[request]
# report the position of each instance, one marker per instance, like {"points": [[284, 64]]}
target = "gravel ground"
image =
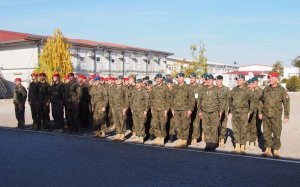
{"points": [[290, 132]]}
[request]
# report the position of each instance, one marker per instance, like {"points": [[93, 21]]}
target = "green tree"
{"points": [[293, 84], [199, 60], [296, 63], [55, 57], [278, 67]]}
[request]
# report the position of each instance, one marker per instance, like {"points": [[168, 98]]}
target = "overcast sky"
{"points": [[248, 32]]}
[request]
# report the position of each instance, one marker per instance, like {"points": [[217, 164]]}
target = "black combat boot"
{"points": [[171, 139], [152, 137]]}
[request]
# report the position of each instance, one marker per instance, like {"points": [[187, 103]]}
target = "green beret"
{"points": [[204, 75], [180, 75], [159, 75], [139, 80], [209, 76], [193, 75], [169, 81], [240, 76], [255, 79], [219, 77], [120, 77]]}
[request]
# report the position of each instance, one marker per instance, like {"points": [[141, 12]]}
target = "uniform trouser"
{"points": [[211, 121], [139, 121], [272, 127], [158, 124], [129, 121], [239, 126], [19, 112], [73, 108], [110, 117], [34, 113], [223, 126], [119, 120], [44, 118], [68, 114], [99, 117], [196, 127], [252, 131], [172, 129], [182, 123], [58, 115]]}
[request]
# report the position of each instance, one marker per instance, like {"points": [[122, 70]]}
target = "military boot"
{"points": [[267, 153], [171, 139], [194, 141], [181, 144], [156, 141], [121, 138], [133, 139], [117, 137], [203, 137], [161, 141], [276, 153], [243, 152], [222, 143], [102, 135], [247, 145], [237, 149], [141, 140], [251, 145]]}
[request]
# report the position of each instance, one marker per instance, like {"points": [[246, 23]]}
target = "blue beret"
{"points": [[97, 78]]}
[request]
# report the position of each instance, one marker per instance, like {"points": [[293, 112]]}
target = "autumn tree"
{"points": [[199, 60], [55, 56], [278, 67]]}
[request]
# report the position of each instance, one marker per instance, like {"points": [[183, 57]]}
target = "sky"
{"points": [[248, 32]]}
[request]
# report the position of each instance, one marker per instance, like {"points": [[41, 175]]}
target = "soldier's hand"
{"points": [[124, 111], [285, 120], [248, 116], [173, 113], [103, 109], [260, 116], [145, 113], [220, 115], [229, 115], [166, 114], [200, 115], [189, 113]]}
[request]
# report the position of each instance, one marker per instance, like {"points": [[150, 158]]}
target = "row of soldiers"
{"points": [[179, 114]]}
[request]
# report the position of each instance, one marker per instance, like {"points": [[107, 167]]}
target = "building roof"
{"points": [[255, 73], [14, 37]]}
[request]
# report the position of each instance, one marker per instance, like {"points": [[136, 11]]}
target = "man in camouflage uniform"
{"points": [[84, 103], [159, 108], [148, 88], [240, 108], [44, 103], [252, 132], [130, 88], [119, 104], [223, 96], [57, 90], [33, 99], [139, 108], [99, 102], [182, 107], [210, 108], [111, 89], [195, 120], [270, 111], [66, 97], [19, 99], [73, 95]]}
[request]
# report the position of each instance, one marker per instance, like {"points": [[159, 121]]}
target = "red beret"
{"points": [[126, 79], [56, 75], [111, 78], [18, 79], [33, 74], [273, 74], [80, 76], [92, 76], [67, 77], [42, 74], [102, 79], [106, 79], [84, 77]]}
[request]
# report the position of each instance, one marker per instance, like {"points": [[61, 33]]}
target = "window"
{"points": [[112, 60], [81, 58], [98, 59]]}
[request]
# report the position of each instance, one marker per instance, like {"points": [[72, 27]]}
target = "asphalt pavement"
{"points": [[31, 158]]}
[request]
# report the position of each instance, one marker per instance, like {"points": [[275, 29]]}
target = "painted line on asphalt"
{"points": [[158, 147]]}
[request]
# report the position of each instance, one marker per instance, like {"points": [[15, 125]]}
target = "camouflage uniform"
{"points": [[271, 108], [253, 119], [210, 105], [33, 98], [44, 105], [158, 106], [172, 129], [118, 103], [73, 92], [19, 99], [183, 101], [129, 118], [57, 104], [110, 116], [99, 100], [239, 100], [139, 105], [223, 96]]}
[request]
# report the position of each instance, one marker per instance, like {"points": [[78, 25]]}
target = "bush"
{"points": [[284, 80], [293, 84]]}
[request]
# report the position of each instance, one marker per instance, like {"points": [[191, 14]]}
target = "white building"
{"points": [[19, 56]]}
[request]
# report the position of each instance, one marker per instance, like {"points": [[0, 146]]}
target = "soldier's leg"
{"points": [[47, 116], [54, 115], [196, 128], [60, 116], [276, 130], [244, 127], [236, 128], [163, 125], [96, 119], [267, 132], [212, 127], [140, 127], [17, 114], [102, 121], [248, 133], [172, 130], [183, 125], [22, 115], [155, 123], [75, 116], [253, 130], [223, 126], [34, 113]]}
